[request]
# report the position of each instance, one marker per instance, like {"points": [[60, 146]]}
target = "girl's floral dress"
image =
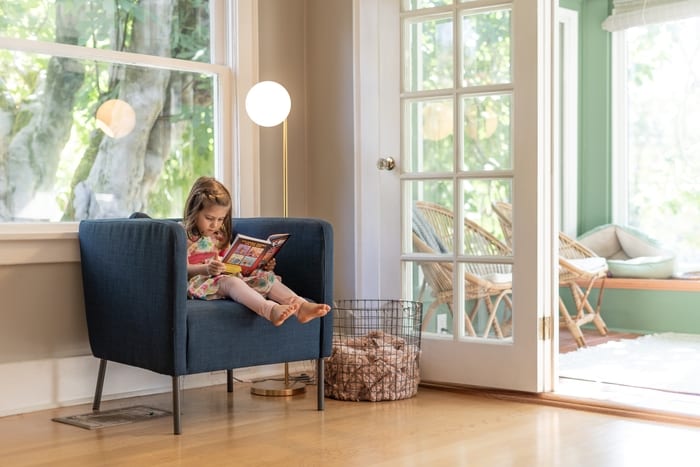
{"points": [[206, 287]]}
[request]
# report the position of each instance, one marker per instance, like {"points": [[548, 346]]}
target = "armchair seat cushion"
{"points": [[212, 345]]}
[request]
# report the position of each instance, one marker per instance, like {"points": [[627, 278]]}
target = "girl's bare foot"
{"points": [[280, 313], [308, 311]]}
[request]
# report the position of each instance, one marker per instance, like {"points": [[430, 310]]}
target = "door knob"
{"points": [[386, 163]]}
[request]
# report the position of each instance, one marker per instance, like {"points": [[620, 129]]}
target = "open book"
{"points": [[250, 253]]}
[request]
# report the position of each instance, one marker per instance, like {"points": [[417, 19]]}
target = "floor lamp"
{"points": [[268, 104]]}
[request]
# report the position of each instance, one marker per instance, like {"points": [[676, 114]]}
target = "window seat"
{"points": [[679, 285]]}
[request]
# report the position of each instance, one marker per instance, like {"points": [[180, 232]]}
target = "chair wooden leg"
{"points": [[492, 308], [507, 325], [490, 311], [585, 310], [177, 380], [469, 320], [100, 384], [429, 314], [320, 384], [571, 325], [598, 321], [229, 380]]}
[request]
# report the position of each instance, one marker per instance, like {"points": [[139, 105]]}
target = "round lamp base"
{"points": [[277, 388]]}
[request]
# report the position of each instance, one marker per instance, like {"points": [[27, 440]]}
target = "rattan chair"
{"points": [[504, 214], [485, 283], [579, 270]]}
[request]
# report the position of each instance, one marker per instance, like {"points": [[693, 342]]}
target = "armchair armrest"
{"points": [[306, 261], [135, 290]]}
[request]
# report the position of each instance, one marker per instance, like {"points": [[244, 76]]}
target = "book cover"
{"points": [[250, 253]]}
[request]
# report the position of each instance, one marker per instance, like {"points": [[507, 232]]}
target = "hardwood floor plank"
{"points": [[437, 427]]}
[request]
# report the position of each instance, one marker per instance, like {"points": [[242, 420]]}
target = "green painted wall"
{"points": [[595, 195], [651, 311], [622, 309], [645, 311]]}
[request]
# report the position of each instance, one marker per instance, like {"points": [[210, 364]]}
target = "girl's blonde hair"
{"points": [[205, 192]]}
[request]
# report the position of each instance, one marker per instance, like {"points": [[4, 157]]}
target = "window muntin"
{"points": [[409, 5], [657, 147], [56, 167]]}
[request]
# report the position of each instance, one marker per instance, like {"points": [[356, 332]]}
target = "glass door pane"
{"points": [[457, 162]]}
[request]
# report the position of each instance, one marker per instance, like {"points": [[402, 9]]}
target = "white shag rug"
{"points": [[666, 362]]}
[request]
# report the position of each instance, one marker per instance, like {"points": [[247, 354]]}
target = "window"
{"points": [[656, 110], [566, 125], [61, 62]]}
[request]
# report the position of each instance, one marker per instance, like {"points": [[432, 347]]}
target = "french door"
{"points": [[453, 119]]}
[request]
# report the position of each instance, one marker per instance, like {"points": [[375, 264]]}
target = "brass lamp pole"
{"points": [[268, 104]]}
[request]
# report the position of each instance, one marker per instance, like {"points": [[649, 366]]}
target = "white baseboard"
{"points": [[46, 384]]}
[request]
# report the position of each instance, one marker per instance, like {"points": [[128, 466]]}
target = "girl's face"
{"points": [[210, 218]]}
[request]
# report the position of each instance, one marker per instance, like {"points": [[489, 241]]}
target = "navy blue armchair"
{"points": [[135, 286]]}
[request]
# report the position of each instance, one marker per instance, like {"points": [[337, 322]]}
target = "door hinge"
{"points": [[544, 328]]}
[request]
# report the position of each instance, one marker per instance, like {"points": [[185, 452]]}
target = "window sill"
{"points": [[38, 244], [39, 231]]}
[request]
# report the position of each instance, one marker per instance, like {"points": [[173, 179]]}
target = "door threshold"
{"points": [[621, 401], [682, 406]]}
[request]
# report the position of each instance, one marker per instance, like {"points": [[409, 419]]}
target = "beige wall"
{"points": [[306, 45], [42, 312], [281, 42]]}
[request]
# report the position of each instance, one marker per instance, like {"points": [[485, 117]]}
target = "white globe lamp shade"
{"points": [[268, 103]]}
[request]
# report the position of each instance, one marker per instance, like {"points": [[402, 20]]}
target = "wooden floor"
{"points": [[436, 428]]}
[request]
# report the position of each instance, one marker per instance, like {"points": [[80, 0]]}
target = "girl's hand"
{"points": [[270, 265], [215, 267]]}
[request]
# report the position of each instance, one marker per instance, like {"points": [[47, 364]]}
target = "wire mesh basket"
{"points": [[376, 350]]}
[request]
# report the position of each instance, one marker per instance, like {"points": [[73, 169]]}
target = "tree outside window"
{"points": [[55, 163]]}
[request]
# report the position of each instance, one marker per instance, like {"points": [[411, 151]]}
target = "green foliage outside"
{"points": [[188, 111], [485, 117], [663, 101]]}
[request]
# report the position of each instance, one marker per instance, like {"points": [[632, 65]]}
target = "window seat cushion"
{"points": [[629, 252]]}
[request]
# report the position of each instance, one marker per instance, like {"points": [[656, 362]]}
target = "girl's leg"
{"points": [[280, 293], [234, 288]]}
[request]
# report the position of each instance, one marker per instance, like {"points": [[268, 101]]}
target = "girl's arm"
{"points": [[197, 269], [204, 263]]}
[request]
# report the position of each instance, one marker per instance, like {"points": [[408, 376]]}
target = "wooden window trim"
{"points": [[671, 285]]}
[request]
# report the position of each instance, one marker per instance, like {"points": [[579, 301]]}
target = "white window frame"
{"points": [[619, 151], [566, 140], [235, 56]]}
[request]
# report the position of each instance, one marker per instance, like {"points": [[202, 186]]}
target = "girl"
{"points": [[207, 221]]}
